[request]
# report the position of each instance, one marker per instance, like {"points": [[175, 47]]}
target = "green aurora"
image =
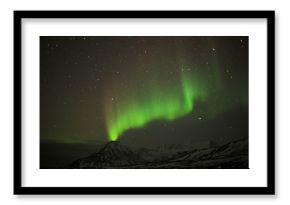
{"points": [[165, 101], [165, 98]]}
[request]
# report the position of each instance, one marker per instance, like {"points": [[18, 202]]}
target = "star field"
{"points": [[102, 88]]}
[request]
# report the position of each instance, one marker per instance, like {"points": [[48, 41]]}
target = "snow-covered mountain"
{"points": [[115, 155]]}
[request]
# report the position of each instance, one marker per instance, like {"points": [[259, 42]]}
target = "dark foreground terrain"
{"points": [[233, 155]]}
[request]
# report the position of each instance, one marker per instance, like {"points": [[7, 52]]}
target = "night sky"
{"points": [[143, 89]]}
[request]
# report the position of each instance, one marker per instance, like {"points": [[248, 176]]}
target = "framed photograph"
{"points": [[144, 102]]}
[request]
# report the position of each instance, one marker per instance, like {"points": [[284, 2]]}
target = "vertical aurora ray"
{"points": [[198, 78], [160, 101]]}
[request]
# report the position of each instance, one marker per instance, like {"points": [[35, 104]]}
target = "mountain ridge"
{"points": [[114, 155]]}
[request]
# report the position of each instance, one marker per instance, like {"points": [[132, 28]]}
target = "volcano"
{"points": [[112, 155]]}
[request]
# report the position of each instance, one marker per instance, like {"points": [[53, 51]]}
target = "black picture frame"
{"points": [[269, 189]]}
